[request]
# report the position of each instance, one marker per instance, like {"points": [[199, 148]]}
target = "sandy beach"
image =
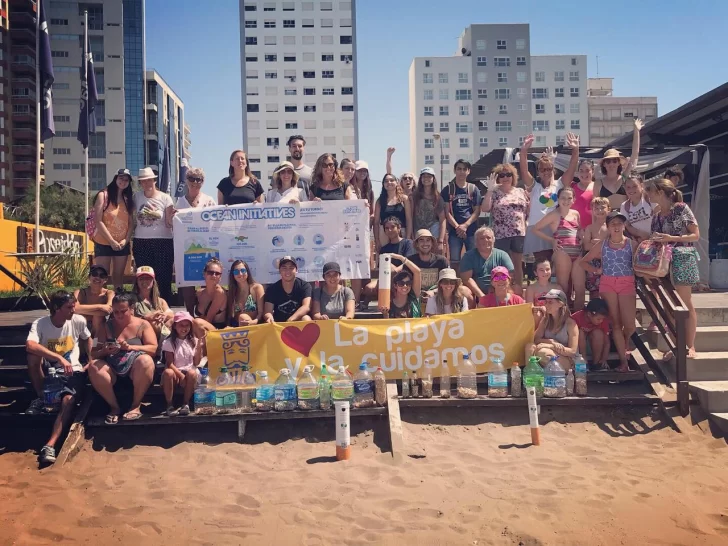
{"points": [[601, 476]]}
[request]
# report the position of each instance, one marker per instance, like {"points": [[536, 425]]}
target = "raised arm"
{"points": [[416, 273], [408, 203], [632, 164], [572, 141], [492, 184], [523, 162], [390, 151]]}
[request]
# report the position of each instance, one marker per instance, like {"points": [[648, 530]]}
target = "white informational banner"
{"points": [[313, 233]]}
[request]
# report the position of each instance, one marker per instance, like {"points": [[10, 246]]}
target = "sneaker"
{"points": [[171, 412], [184, 410], [47, 455], [36, 407]]}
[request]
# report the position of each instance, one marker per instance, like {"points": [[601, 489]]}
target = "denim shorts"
{"points": [[456, 246], [510, 244]]}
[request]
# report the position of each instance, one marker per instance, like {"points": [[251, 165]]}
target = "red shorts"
{"points": [[622, 286]]}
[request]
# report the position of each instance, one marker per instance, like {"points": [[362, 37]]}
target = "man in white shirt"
{"points": [[297, 147], [53, 342]]}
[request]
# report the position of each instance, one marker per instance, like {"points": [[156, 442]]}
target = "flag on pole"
{"points": [[89, 98], [181, 184], [165, 175], [45, 73]]}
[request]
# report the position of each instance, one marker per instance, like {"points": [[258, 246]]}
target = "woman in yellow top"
{"points": [[114, 207]]}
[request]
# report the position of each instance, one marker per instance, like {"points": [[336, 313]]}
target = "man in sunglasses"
{"points": [[296, 149], [288, 299], [53, 342]]}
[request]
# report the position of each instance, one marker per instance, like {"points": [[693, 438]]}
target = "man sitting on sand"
{"points": [[288, 299], [53, 342]]}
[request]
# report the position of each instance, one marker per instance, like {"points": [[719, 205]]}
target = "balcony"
{"points": [[24, 166], [23, 133], [24, 66], [151, 107], [23, 182], [23, 150], [23, 98], [23, 49], [22, 35]]}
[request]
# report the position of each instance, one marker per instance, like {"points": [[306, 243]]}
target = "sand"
{"points": [[601, 476]]}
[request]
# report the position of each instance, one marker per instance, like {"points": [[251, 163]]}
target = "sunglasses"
{"points": [[449, 282], [98, 275], [505, 175], [195, 179], [407, 178], [500, 277], [329, 165], [240, 271], [403, 284], [546, 170], [214, 273], [611, 160]]}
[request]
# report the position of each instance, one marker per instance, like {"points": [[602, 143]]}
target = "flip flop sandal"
{"points": [[111, 419], [132, 416]]}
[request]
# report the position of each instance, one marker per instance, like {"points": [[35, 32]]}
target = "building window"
{"points": [[539, 93], [428, 111], [347, 58], [327, 74], [502, 141], [574, 108], [307, 23], [560, 141], [464, 110], [483, 141], [347, 90], [444, 94], [427, 63], [272, 75], [327, 23], [428, 94], [559, 76], [445, 160], [253, 108], [269, 40], [327, 91], [289, 92], [309, 90], [309, 107], [251, 58], [522, 107], [345, 40], [429, 143], [251, 40], [482, 126], [502, 126], [429, 127], [482, 109], [429, 160], [289, 40], [521, 77], [61, 22], [463, 94], [503, 93], [269, 24], [327, 6], [250, 7], [540, 108], [559, 92], [463, 77], [520, 43], [327, 58], [503, 109], [502, 77], [541, 125], [271, 58], [444, 127], [480, 45], [500, 44], [521, 91], [427, 77], [482, 93], [347, 107], [520, 61], [290, 108], [444, 110], [574, 61], [465, 142], [463, 127], [627, 115], [289, 58], [309, 74], [575, 124], [62, 151], [540, 76], [560, 108], [446, 143], [269, 6], [560, 124], [289, 23], [574, 92], [502, 61], [574, 76], [482, 61], [442, 77]]}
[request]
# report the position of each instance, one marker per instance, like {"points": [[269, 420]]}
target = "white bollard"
{"points": [[343, 433], [385, 280], [533, 416]]}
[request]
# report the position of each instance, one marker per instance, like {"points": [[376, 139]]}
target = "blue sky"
{"points": [[651, 48]]}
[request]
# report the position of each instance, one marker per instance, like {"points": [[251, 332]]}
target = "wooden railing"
{"points": [[670, 314]]}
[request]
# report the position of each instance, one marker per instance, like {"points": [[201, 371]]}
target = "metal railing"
{"points": [[670, 315]]}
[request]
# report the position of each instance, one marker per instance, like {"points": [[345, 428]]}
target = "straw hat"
{"points": [[146, 173], [611, 154], [423, 233], [448, 274], [282, 167]]}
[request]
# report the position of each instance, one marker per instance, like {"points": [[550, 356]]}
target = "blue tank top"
{"points": [[617, 262]]}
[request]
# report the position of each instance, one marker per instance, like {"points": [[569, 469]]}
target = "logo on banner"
{"points": [[352, 210], [235, 350], [248, 213]]}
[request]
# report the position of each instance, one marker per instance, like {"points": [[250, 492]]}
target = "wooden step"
{"points": [[713, 395], [707, 339], [720, 419], [706, 366], [483, 401]]}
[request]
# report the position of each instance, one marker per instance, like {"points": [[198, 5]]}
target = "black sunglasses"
{"points": [[195, 179], [505, 175], [98, 274], [403, 283]]}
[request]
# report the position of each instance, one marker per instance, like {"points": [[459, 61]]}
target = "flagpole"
{"points": [[38, 101], [85, 149]]}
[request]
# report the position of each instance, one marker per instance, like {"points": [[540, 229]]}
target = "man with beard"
{"points": [[296, 148]]}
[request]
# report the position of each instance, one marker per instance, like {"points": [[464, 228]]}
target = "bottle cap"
{"points": [[223, 369], [285, 371], [363, 366], [308, 369], [263, 373]]}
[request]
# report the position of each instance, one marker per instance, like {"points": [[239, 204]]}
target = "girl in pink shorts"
{"points": [[617, 286]]}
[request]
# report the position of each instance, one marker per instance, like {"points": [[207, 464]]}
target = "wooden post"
{"points": [[241, 429], [395, 422], [76, 432], [681, 365]]}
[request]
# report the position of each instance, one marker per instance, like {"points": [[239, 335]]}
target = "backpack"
{"points": [[452, 189], [652, 259], [91, 228]]}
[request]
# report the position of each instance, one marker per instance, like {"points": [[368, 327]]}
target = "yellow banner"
{"points": [[394, 344]]}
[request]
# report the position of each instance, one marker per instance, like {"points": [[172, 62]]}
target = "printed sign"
{"points": [[261, 234], [50, 242], [394, 344]]}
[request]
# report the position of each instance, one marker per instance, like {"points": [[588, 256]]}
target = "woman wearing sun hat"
{"points": [[448, 298], [182, 354], [150, 306], [558, 333], [428, 209], [615, 169], [500, 293], [285, 186], [153, 245]]}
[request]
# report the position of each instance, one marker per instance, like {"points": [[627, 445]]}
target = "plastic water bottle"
{"points": [[308, 391], [342, 387], [497, 380], [554, 380], [284, 392], [405, 385], [570, 383], [225, 396], [245, 387], [52, 386], [415, 386], [363, 387], [380, 387], [324, 389], [516, 385], [264, 395], [467, 379], [533, 375], [579, 375], [445, 381], [204, 396]]}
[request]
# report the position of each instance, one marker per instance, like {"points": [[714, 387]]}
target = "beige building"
{"points": [[610, 116]]}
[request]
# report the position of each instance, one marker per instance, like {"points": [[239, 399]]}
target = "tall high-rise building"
{"points": [[491, 94], [298, 71], [610, 116]]}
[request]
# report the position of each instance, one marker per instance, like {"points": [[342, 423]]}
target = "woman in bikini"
{"points": [[595, 233], [211, 307], [615, 169], [245, 296]]}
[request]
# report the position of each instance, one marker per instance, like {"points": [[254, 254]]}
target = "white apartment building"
{"points": [[298, 70], [610, 116], [559, 98]]}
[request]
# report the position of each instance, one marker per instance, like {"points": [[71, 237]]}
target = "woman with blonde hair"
{"points": [[615, 169], [285, 186], [448, 298], [508, 206], [327, 181], [557, 334], [240, 186]]}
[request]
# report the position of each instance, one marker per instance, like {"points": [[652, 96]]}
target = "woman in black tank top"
{"points": [[327, 181], [615, 169], [392, 202]]}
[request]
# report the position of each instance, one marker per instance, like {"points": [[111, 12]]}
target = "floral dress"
{"points": [[684, 265], [509, 213]]}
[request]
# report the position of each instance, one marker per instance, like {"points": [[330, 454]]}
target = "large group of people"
{"points": [[582, 232]]}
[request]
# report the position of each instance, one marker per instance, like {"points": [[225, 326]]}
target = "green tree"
{"points": [[60, 207]]}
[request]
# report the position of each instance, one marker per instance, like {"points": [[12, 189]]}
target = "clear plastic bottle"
{"points": [[445, 381], [380, 387], [415, 386], [363, 387], [225, 395], [308, 391], [533, 375], [570, 383], [554, 380], [342, 387], [284, 392], [264, 393], [516, 385], [324, 389], [52, 387], [580, 375], [497, 380], [204, 397], [426, 384], [405, 385], [467, 379]]}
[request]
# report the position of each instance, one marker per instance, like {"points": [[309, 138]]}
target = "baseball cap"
{"points": [[423, 233], [427, 170], [287, 259], [500, 270], [361, 164], [555, 294], [331, 266], [145, 270], [179, 316], [615, 214]]}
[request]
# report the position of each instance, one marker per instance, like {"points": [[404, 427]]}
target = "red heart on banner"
{"points": [[301, 340]]}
